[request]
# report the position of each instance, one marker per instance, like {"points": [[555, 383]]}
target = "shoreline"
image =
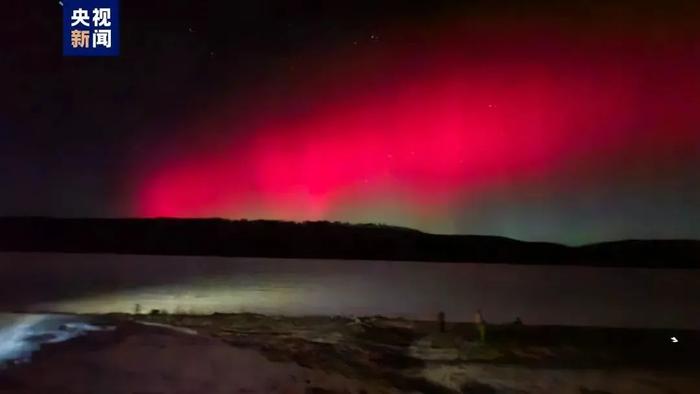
{"points": [[374, 354]]}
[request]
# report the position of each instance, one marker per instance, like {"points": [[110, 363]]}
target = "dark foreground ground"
{"points": [[246, 353]]}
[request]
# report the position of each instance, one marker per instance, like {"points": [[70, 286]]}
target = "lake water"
{"points": [[537, 294], [23, 334]]}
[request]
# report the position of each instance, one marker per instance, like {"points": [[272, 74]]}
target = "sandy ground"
{"points": [[156, 360], [260, 354], [513, 379]]}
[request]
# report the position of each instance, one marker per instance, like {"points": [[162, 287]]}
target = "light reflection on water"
{"points": [[537, 294], [23, 334]]}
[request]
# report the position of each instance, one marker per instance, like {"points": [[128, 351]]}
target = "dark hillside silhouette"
{"points": [[264, 238]]}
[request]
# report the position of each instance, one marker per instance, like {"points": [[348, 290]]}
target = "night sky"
{"points": [[575, 122]]}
